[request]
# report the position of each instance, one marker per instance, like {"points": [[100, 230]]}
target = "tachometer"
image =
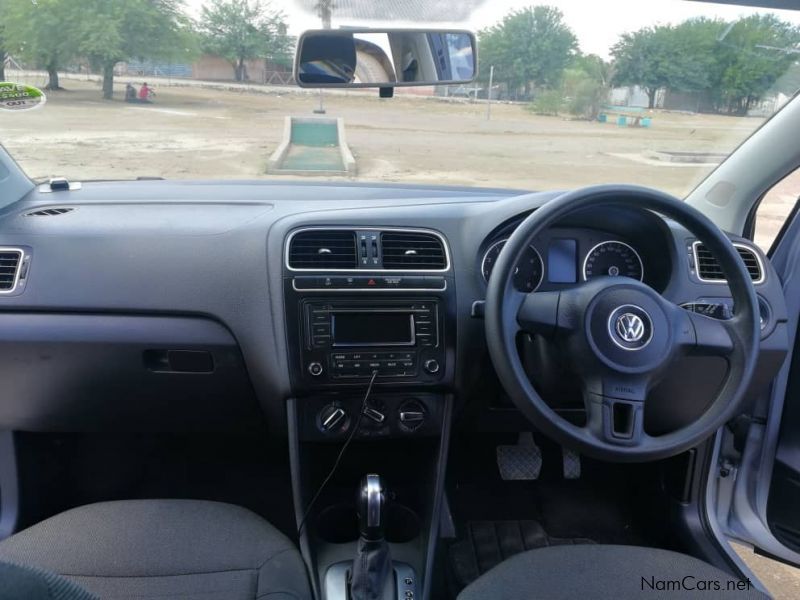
{"points": [[613, 259], [528, 272]]}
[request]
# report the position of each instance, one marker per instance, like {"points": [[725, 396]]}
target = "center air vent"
{"points": [[417, 251], [10, 260], [323, 249], [708, 268], [50, 212]]}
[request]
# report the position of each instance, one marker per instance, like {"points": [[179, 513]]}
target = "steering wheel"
{"points": [[620, 335]]}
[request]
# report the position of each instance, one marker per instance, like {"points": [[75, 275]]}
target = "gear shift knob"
{"points": [[371, 503]]}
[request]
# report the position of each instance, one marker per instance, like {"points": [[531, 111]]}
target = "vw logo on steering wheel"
{"points": [[630, 327]]}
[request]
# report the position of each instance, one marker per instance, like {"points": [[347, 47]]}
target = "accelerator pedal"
{"points": [[520, 462]]}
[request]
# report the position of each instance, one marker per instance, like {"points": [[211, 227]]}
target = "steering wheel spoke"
{"points": [[615, 415], [709, 337], [538, 313]]}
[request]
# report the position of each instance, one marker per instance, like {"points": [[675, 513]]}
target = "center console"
{"points": [[369, 304]]}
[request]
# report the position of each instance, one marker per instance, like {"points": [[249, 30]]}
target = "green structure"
{"points": [[313, 146]]}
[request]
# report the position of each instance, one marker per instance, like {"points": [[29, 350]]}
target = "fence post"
{"points": [[489, 94]]}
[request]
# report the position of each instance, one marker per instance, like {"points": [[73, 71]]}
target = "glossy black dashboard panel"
{"points": [[215, 251]]}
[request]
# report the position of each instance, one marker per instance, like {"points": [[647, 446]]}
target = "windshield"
{"points": [[569, 93]]}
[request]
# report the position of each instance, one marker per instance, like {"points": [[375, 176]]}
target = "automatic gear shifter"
{"points": [[372, 574]]}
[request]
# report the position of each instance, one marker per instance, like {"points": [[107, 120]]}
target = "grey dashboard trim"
{"points": [[750, 249], [19, 268], [366, 228]]}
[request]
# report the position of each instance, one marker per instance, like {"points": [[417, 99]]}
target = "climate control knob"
{"points": [[333, 419], [431, 366], [411, 415]]}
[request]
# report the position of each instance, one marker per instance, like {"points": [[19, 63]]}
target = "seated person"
{"points": [[130, 92], [145, 93]]}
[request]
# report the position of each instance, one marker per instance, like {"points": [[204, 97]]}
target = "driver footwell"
{"points": [[494, 518], [485, 544]]}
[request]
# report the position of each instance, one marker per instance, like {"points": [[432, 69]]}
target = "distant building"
{"points": [[632, 96]]}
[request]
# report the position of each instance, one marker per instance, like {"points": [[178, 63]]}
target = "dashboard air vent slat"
{"points": [[323, 249], [412, 250], [708, 268], [9, 268], [50, 212]]}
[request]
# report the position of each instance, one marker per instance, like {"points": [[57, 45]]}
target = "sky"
{"points": [[598, 24]]}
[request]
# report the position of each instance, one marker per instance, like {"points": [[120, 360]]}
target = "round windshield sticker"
{"points": [[18, 96]]}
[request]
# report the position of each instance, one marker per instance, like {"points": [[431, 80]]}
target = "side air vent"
{"points": [[412, 250], [323, 249], [708, 268], [10, 261], [50, 212]]}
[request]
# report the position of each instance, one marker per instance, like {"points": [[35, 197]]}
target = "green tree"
{"points": [[529, 48], [694, 54], [41, 32], [116, 30], [240, 30], [754, 54], [587, 83], [644, 58]]}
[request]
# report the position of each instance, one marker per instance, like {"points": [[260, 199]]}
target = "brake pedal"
{"points": [[572, 463], [520, 462]]}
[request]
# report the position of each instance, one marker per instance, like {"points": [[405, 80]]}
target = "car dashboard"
{"points": [[169, 306]]}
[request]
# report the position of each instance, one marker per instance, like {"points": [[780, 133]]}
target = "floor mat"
{"points": [[485, 544]]}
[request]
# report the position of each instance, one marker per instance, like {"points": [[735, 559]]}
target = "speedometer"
{"points": [[527, 273], [613, 259]]}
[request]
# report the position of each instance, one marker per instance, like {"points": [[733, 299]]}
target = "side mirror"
{"points": [[363, 58]]}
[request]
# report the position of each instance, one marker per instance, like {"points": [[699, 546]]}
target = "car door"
{"points": [[754, 496]]}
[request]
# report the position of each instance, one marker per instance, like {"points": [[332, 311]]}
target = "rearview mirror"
{"points": [[361, 58]]}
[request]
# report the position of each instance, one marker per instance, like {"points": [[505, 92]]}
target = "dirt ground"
{"points": [[197, 132], [193, 132]]}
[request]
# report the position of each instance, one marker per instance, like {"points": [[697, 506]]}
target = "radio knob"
{"points": [[431, 366], [315, 369]]}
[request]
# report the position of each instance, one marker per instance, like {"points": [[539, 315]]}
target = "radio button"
{"points": [[307, 283], [394, 282], [434, 283], [413, 283]]}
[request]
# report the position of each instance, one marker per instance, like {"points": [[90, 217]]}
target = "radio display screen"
{"points": [[372, 329]]}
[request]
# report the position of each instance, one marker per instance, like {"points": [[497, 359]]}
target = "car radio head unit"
{"points": [[347, 339]]}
